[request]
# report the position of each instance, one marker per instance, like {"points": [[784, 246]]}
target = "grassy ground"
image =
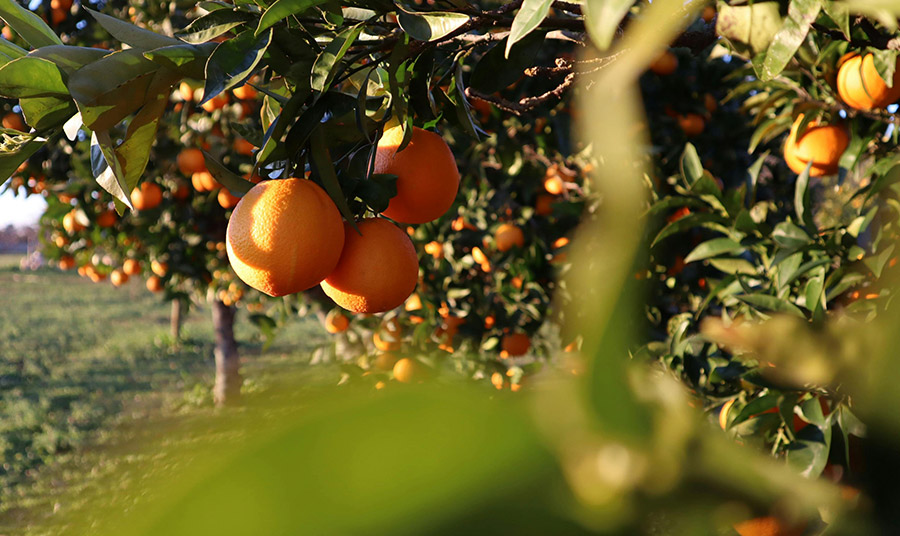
{"points": [[88, 374]]}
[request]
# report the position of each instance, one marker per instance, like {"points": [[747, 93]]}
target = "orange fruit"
{"points": [[61, 241], [407, 370], [554, 184], [435, 249], [61, 4], [159, 268], [514, 344], [664, 64], [71, 223], [285, 236], [58, 15], [336, 322], [118, 278], [185, 91], [822, 145], [181, 192], [242, 146], [377, 270], [543, 206], [385, 361], [460, 223], [692, 124], [479, 256], [244, 92], [768, 526], [708, 14], [147, 197], [190, 161], [226, 200], [413, 303], [386, 343], [203, 181], [216, 103], [154, 284], [14, 121], [106, 219], [131, 267], [67, 262], [427, 176], [498, 380], [508, 236], [861, 87], [709, 102]]}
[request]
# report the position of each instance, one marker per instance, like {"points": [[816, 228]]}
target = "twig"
{"points": [[524, 104]]}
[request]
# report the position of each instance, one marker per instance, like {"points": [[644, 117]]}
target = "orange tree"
{"points": [[805, 228]]}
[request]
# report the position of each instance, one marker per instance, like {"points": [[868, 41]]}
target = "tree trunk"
{"points": [[227, 390], [177, 319]]}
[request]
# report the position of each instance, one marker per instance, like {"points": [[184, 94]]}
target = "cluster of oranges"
{"points": [[286, 236], [821, 145]]}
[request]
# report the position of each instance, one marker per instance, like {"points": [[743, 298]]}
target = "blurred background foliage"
{"points": [[658, 221]]}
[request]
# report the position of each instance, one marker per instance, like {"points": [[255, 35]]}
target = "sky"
{"points": [[20, 211]]}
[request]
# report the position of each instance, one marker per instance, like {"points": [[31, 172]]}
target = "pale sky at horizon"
{"points": [[20, 211]]}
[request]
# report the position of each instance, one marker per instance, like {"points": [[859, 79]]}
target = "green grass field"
{"points": [[89, 373]]}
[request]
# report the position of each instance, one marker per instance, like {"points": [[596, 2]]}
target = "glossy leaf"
{"points": [[233, 61], [530, 15], [235, 184], [32, 77], [132, 35], [326, 65], [213, 25], [801, 14], [27, 24], [602, 18], [281, 9], [713, 248], [430, 26]]}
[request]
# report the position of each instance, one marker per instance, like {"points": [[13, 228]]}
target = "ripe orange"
{"points": [[861, 87], [336, 322], [386, 342], [285, 236], [242, 146], [159, 268], [131, 267], [708, 14], [181, 192], [709, 102], [71, 223], [185, 91], [768, 526], [554, 184], [154, 284], [377, 270], [460, 223], [61, 4], [66, 262], [203, 181], [479, 256], [244, 92], [543, 206], [216, 103], [385, 361], [514, 344], [226, 200], [61, 241], [435, 249], [118, 277], [408, 370], [665, 64], [14, 121], [692, 124], [508, 236], [190, 161], [427, 176], [822, 145], [106, 218], [147, 197], [498, 380]]}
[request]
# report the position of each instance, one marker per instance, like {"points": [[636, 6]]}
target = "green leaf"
{"points": [[44, 113], [28, 25], [801, 198], [689, 222], [187, 60], [885, 62], [112, 88], [213, 25], [790, 236], [232, 62], [430, 26], [32, 77], [808, 454], [840, 14], [714, 248], [68, 58], [771, 303], [17, 148], [750, 29], [10, 50], [326, 65], [107, 169], [235, 184], [530, 15], [691, 166], [132, 35], [602, 18], [734, 266], [324, 167], [801, 14], [282, 9]]}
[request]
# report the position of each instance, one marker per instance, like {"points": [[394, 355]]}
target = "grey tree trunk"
{"points": [[177, 319], [227, 390]]}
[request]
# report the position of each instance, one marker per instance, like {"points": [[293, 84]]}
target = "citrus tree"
{"points": [[762, 168]]}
